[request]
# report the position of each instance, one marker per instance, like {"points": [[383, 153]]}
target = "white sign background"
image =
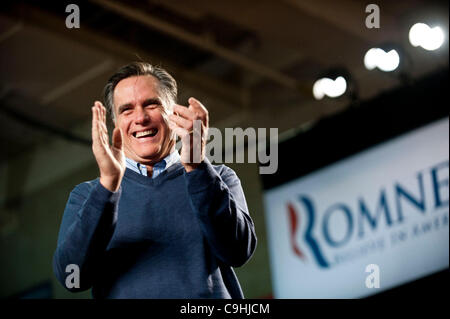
{"points": [[403, 251]]}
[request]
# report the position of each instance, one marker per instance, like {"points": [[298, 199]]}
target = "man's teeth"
{"points": [[145, 133]]}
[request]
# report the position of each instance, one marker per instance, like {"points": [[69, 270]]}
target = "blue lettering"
{"points": [[364, 212], [437, 184], [309, 239], [401, 192], [347, 213], [426, 227]]}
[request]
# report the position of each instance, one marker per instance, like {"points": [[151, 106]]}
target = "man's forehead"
{"points": [[135, 89]]}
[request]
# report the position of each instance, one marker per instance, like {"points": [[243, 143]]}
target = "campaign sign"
{"points": [[367, 223]]}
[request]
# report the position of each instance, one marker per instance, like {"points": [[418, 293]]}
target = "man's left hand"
{"points": [[191, 125]]}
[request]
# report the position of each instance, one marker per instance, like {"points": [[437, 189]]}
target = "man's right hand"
{"points": [[110, 158]]}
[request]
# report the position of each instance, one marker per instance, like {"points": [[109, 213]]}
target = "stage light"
{"points": [[428, 38], [329, 87], [378, 58]]}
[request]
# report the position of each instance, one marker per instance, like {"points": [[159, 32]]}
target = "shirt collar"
{"points": [[171, 159], [162, 165]]}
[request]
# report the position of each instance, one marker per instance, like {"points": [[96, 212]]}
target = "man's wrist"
{"points": [[189, 167], [110, 183]]}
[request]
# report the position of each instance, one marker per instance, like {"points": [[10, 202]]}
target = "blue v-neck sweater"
{"points": [[175, 236]]}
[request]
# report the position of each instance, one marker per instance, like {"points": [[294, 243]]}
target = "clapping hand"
{"points": [[193, 137], [110, 158]]}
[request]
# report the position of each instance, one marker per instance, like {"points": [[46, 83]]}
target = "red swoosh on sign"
{"points": [[294, 223]]}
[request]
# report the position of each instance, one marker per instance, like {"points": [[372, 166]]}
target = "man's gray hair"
{"points": [[167, 84]]}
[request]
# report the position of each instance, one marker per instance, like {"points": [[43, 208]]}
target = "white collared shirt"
{"points": [[158, 168]]}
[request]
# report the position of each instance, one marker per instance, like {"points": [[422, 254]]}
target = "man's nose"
{"points": [[141, 116]]}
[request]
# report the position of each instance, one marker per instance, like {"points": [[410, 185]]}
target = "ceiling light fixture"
{"points": [[426, 37]]}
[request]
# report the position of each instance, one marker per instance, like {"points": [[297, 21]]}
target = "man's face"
{"points": [[139, 110]]}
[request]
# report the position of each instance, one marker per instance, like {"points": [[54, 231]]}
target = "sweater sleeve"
{"points": [[86, 228], [219, 201]]}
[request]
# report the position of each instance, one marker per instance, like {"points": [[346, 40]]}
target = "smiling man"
{"points": [[140, 115], [156, 223]]}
